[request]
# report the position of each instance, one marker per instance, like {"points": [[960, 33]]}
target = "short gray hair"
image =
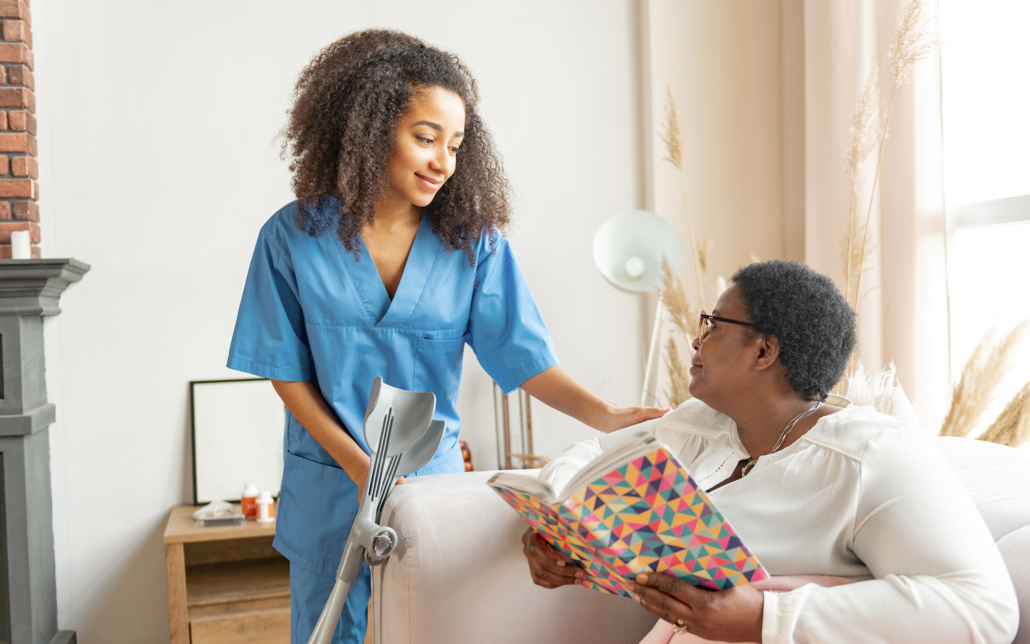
{"points": [[806, 312]]}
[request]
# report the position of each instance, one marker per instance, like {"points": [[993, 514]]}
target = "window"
{"points": [[986, 88]]}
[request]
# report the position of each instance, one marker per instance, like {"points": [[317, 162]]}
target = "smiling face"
{"points": [[723, 366], [428, 135]]}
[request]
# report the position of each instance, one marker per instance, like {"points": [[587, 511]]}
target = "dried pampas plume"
{"points": [[1012, 427], [865, 125], [912, 41], [684, 318], [704, 251], [672, 137], [911, 44], [755, 259], [985, 369], [676, 303], [679, 378]]}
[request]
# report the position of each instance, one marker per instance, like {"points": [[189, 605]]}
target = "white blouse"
{"points": [[860, 495]]}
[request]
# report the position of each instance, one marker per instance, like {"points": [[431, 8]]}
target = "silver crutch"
{"points": [[400, 429]]}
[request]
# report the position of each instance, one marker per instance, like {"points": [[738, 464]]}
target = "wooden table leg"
{"points": [[369, 637], [175, 570]]}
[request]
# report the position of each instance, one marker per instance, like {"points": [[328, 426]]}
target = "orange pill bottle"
{"points": [[248, 501]]}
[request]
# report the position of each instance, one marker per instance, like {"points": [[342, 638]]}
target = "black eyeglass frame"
{"points": [[702, 334]]}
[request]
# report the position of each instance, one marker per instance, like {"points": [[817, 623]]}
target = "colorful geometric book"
{"points": [[634, 509]]}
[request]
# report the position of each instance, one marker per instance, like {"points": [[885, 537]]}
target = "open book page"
{"points": [[631, 447], [525, 483], [578, 455]]}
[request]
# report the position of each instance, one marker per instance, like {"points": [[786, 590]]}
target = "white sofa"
{"points": [[458, 574]]}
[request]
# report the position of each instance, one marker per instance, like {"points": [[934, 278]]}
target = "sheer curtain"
{"points": [[812, 60]]}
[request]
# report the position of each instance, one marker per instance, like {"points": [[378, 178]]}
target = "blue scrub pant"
{"points": [[308, 593]]}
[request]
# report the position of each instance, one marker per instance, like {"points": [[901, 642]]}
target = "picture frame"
{"points": [[236, 432]]}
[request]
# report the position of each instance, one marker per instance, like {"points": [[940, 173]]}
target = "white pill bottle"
{"points": [[265, 513]]}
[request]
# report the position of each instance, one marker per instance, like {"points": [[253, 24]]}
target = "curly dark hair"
{"points": [[808, 315], [341, 130]]}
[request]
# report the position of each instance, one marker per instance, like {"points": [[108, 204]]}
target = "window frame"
{"points": [[1010, 210]]}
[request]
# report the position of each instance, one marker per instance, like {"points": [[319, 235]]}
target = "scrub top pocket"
{"points": [[317, 505], [438, 367]]}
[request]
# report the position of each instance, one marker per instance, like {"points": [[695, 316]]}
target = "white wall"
{"points": [[158, 167]]}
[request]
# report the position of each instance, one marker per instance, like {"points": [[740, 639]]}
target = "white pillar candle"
{"points": [[20, 248]]}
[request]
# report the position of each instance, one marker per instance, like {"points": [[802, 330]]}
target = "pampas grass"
{"points": [[911, 44], [882, 392], [704, 251], [987, 366], [1012, 426], [865, 124], [682, 314], [672, 137], [679, 378], [684, 318], [673, 296], [912, 41]]}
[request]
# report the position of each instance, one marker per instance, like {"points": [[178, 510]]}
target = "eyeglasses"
{"points": [[704, 325]]}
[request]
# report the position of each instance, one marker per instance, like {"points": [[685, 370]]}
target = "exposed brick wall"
{"points": [[18, 169]]}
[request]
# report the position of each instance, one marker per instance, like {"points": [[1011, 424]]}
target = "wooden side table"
{"points": [[225, 584]]}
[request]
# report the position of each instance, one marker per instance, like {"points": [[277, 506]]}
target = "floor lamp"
{"points": [[628, 250]]}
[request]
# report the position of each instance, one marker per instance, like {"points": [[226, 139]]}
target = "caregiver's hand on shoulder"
{"points": [[548, 566], [733, 615], [624, 417], [557, 389]]}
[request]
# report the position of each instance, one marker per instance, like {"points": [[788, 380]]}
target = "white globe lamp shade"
{"points": [[628, 250]]}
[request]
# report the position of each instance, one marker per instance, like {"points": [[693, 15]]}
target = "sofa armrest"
{"points": [[458, 575]]}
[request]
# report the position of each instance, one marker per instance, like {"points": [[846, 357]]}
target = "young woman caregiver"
{"points": [[388, 263]]}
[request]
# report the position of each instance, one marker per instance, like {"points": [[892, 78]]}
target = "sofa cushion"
{"points": [[996, 477], [459, 575], [1015, 550]]}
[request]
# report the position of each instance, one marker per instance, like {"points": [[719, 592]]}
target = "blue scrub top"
{"points": [[311, 312]]}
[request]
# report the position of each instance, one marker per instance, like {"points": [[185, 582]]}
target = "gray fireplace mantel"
{"points": [[29, 291], [33, 286]]}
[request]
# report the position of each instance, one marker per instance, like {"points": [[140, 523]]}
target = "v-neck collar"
{"points": [[381, 310]]}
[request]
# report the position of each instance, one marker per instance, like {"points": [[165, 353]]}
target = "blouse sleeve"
{"points": [[270, 340], [506, 329], [938, 576]]}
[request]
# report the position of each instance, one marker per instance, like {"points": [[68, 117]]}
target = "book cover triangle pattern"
{"points": [[647, 515]]}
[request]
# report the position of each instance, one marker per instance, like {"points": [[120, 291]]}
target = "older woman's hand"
{"points": [[548, 566], [733, 615]]}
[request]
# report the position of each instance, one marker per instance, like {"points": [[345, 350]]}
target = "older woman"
{"points": [[812, 488]]}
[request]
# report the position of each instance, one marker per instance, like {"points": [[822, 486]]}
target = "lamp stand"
{"points": [[652, 352]]}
